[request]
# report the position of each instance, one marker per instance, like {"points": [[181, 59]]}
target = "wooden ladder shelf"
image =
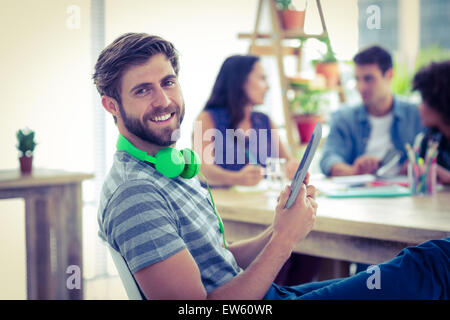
{"points": [[278, 50]]}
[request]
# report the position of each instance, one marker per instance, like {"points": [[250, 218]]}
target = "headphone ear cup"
{"points": [[169, 162], [192, 163]]}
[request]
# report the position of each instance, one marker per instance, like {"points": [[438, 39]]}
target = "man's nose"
{"points": [[360, 86], [160, 99]]}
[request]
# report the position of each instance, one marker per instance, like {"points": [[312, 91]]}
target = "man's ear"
{"points": [[111, 105], [389, 74]]}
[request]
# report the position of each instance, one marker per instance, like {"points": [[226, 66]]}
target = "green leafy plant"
{"points": [[306, 99], [431, 54], [284, 4], [26, 143], [329, 55], [401, 79], [303, 41]]}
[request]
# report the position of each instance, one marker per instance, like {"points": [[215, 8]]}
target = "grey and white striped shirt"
{"points": [[148, 217]]}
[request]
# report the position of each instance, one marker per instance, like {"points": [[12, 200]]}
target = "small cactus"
{"points": [[26, 143]]}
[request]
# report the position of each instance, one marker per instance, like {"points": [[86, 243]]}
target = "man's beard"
{"points": [[165, 138]]}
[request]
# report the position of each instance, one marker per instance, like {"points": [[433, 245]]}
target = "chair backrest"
{"points": [[127, 278]]}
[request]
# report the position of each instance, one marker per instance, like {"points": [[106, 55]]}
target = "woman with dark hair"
{"points": [[433, 83], [235, 140], [243, 139]]}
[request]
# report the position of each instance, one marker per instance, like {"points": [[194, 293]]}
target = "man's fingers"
{"points": [[311, 191], [302, 193], [306, 181], [313, 204], [284, 195]]}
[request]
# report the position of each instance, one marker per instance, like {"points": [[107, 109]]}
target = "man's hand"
{"points": [[250, 175], [292, 225], [366, 164]]}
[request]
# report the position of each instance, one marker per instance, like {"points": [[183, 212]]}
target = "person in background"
{"points": [[433, 83], [243, 139], [361, 136], [241, 85]]}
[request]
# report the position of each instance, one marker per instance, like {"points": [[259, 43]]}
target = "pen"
{"points": [[418, 142], [251, 160], [432, 177], [413, 164], [422, 175]]}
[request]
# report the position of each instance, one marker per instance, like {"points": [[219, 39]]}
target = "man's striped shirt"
{"points": [[148, 217]]}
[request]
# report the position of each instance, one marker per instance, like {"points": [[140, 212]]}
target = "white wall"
{"points": [[45, 82], [45, 85]]}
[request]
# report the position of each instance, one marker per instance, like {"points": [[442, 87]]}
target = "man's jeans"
{"points": [[419, 272]]}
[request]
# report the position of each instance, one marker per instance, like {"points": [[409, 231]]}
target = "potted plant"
{"points": [[291, 19], [305, 105], [26, 145], [328, 66]]}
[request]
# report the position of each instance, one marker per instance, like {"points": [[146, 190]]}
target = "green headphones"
{"points": [[172, 163], [168, 161]]}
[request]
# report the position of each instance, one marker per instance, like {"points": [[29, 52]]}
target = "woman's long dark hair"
{"points": [[228, 91]]}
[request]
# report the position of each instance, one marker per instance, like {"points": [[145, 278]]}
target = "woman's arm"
{"points": [[283, 152], [443, 175], [249, 175]]}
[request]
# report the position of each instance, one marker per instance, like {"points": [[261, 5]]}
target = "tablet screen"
{"points": [[304, 164]]}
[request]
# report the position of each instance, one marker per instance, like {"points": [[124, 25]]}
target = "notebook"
{"points": [[369, 192]]}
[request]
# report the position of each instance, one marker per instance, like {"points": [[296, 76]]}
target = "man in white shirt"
{"points": [[361, 136]]}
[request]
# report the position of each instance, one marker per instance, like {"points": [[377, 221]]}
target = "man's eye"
{"points": [[141, 91], [169, 83]]}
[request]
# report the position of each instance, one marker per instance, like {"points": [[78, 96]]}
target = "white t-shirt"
{"points": [[380, 141], [380, 135]]}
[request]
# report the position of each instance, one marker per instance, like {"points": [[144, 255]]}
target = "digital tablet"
{"points": [[391, 159], [304, 164]]}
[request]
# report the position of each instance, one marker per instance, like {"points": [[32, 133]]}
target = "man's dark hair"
{"points": [[433, 83], [129, 49], [374, 55], [228, 90]]}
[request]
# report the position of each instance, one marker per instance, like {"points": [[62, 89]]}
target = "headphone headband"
{"points": [[168, 161], [124, 145]]}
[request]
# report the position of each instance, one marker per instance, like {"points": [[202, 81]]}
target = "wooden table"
{"points": [[53, 207], [367, 230]]}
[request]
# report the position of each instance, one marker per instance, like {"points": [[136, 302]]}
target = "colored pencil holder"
{"points": [[422, 178]]}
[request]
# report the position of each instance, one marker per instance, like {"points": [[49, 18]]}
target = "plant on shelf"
{"points": [[329, 55], [306, 100], [327, 66], [291, 19], [26, 145], [284, 4], [305, 105]]}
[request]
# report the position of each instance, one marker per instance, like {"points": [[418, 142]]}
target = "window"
{"points": [[434, 25], [384, 33]]}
